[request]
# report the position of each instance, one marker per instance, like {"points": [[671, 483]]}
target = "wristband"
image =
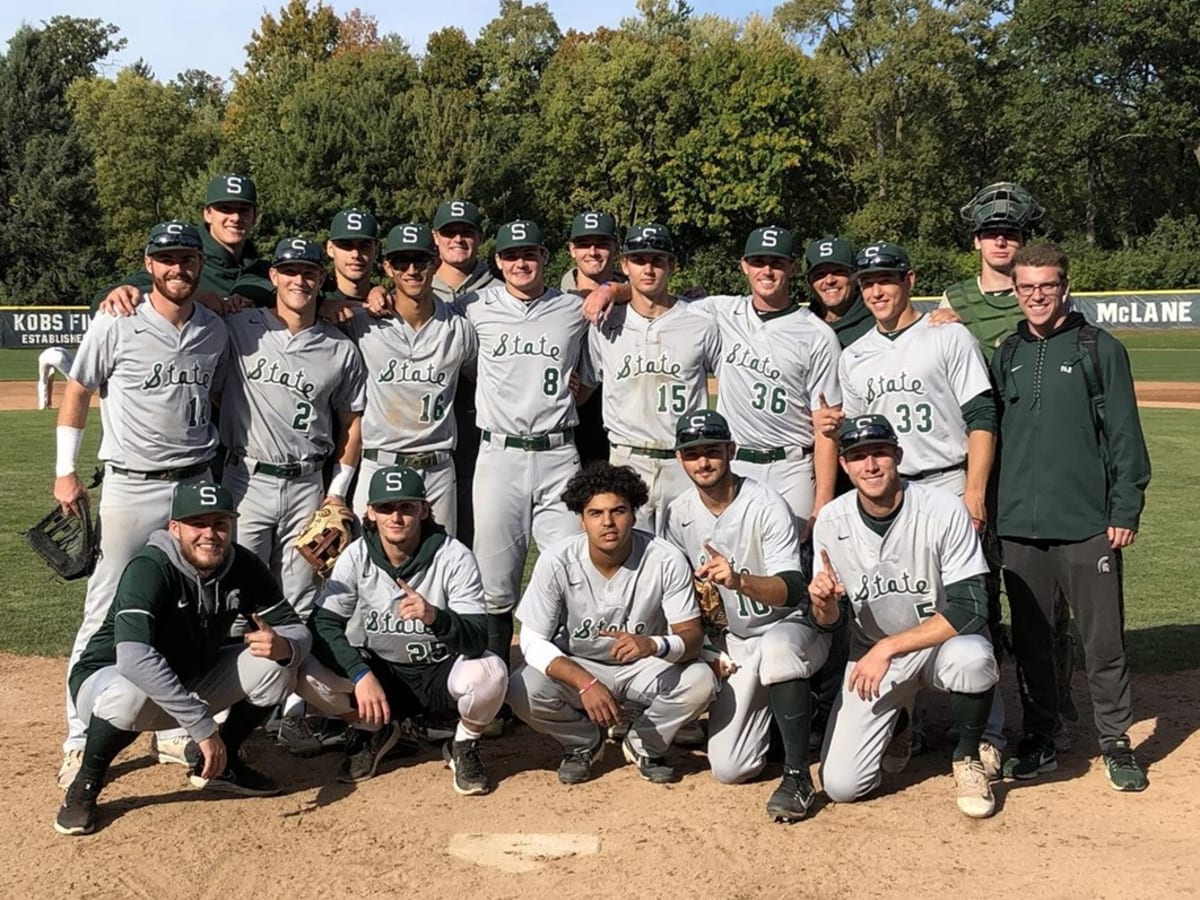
{"points": [[587, 687], [67, 440], [339, 484], [675, 648], [663, 646]]}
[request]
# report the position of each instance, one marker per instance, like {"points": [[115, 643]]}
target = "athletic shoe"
{"points": [[332, 733], [690, 736], [900, 748], [296, 733], [1124, 773], [1062, 740], [407, 743], [180, 750], [1035, 756], [364, 750], [464, 761], [629, 715], [793, 798], [992, 760], [431, 730], [652, 768], [72, 760], [77, 815], [974, 793], [503, 722], [576, 765], [238, 778]]}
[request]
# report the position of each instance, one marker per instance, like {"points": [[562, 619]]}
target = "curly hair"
{"points": [[605, 478]]}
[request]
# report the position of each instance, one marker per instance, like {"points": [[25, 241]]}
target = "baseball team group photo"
{"points": [[435, 550]]}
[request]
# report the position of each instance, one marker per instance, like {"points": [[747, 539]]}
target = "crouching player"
{"points": [[401, 631]]}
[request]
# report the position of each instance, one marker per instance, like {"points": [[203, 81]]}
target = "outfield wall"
{"points": [[64, 326]]}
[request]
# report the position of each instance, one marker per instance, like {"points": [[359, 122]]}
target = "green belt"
{"points": [[775, 454], [164, 474], [283, 470], [652, 452], [537, 442], [412, 460]]}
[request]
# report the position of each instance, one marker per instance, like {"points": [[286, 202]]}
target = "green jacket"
{"points": [[854, 324], [990, 317], [219, 275], [1061, 480]]}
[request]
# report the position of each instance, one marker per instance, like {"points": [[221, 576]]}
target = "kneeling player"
{"points": [[160, 659], [908, 558], [610, 617], [411, 599], [731, 528]]}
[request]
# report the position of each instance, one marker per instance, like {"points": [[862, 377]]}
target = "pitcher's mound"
{"points": [[515, 852]]}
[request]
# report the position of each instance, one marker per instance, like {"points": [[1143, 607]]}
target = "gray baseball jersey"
{"points": [[569, 599], [919, 380], [281, 400], [653, 371], [897, 581], [360, 591], [413, 378], [154, 380], [527, 352], [756, 533], [772, 371]]}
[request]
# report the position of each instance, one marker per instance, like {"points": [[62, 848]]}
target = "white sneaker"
{"points": [[974, 793], [992, 760], [72, 760], [181, 750]]}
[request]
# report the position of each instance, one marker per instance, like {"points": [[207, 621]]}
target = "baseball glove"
{"points": [[712, 608], [324, 536], [69, 545]]}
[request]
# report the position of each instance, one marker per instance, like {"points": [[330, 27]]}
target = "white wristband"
{"points": [[339, 484], [675, 648], [67, 440]]}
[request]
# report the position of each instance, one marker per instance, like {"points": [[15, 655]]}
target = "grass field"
{"points": [[39, 614]]}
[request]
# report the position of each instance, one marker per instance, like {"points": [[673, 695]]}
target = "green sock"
{"points": [[970, 713], [104, 742], [500, 635], [791, 705]]}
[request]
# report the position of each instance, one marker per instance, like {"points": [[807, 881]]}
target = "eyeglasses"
{"points": [[520, 253], [643, 242], [1048, 288], [866, 434], [713, 434], [401, 262], [881, 261]]}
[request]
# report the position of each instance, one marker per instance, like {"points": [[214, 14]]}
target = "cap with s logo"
{"points": [[231, 188], [396, 483], [594, 224], [354, 225], [882, 256], [454, 212], [649, 238], [521, 233], [173, 235], [771, 240], [862, 431], [829, 251], [201, 498], [410, 237], [701, 426], [297, 250]]}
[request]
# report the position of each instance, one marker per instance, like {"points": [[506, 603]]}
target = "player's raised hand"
{"points": [[824, 592], [266, 642], [827, 419], [380, 303], [718, 570], [629, 647], [371, 701], [413, 605], [122, 300]]}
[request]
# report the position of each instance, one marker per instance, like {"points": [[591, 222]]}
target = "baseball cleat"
{"points": [[1124, 773], [974, 793], [77, 815], [652, 768], [793, 798], [238, 778], [72, 760], [296, 733], [464, 761], [180, 750], [364, 750], [576, 765], [1035, 757], [992, 760]]}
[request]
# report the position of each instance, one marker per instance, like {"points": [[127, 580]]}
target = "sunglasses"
{"points": [[713, 434], [402, 262], [652, 242], [183, 241], [867, 434], [881, 261], [451, 231]]}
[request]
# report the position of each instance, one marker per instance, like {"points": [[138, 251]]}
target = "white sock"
{"points": [[463, 733]]}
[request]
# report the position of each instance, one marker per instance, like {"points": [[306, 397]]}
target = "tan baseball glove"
{"points": [[326, 534], [712, 608]]}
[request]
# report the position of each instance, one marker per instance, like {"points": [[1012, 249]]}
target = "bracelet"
{"points": [[587, 687]]}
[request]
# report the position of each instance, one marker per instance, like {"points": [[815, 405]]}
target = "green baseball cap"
{"points": [[173, 235], [521, 233], [770, 240], [650, 238], [353, 225], [594, 224], [860, 431], [452, 212], [231, 188], [411, 237], [883, 256], [297, 250], [201, 498], [701, 426], [829, 251], [396, 483]]}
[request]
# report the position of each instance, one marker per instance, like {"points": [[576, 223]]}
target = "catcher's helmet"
{"points": [[1002, 205]]}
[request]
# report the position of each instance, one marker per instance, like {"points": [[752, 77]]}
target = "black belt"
{"points": [[164, 474], [282, 470], [774, 454], [930, 473], [652, 452], [412, 460], [535, 442]]}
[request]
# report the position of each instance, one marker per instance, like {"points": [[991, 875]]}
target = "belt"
{"points": [[930, 473], [548, 441], [773, 454], [652, 452], [412, 460], [164, 474], [277, 470]]}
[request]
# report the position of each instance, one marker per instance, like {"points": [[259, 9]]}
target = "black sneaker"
{"points": [[464, 761], [238, 778], [652, 768], [793, 798], [576, 765], [434, 731], [77, 815], [1035, 756], [364, 750], [1124, 773]]}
